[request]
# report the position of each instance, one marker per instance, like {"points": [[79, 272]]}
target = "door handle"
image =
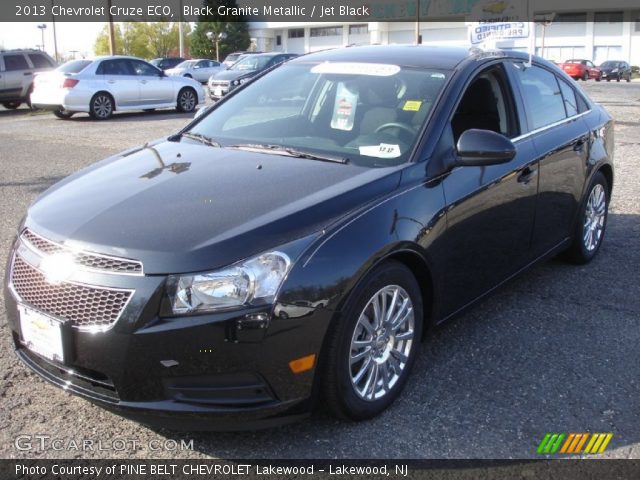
{"points": [[111, 81], [143, 81], [579, 145], [26, 74], [526, 175]]}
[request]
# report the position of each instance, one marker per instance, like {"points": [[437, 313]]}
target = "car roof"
{"points": [[421, 56]]}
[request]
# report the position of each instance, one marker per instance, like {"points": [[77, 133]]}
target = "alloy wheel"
{"points": [[102, 106], [381, 342], [594, 217], [187, 101]]}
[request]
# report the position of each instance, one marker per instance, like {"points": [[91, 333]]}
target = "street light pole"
{"points": [[42, 26]]}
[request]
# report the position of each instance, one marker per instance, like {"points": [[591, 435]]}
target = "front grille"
{"points": [[88, 260], [84, 306]]}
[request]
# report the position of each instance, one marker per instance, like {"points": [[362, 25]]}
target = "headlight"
{"points": [[253, 282]]}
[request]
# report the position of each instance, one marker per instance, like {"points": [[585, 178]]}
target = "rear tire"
{"points": [[370, 351], [11, 105], [592, 222], [101, 106], [63, 114], [187, 100]]}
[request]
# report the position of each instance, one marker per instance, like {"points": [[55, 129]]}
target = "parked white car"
{"points": [[198, 69], [117, 83]]}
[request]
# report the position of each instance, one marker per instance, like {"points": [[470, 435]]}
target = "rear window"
{"points": [[74, 66], [542, 96], [15, 62], [40, 61]]}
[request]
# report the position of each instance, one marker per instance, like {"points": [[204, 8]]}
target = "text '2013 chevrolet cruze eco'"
{"points": [[296, 240]]}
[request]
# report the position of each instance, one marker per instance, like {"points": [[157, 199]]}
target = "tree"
{"points": [[140, 39], [235, 28]]}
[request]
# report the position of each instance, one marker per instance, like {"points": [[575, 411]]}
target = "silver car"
{"points": [[198, 69], [117, 83]]}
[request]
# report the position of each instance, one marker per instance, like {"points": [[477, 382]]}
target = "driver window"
{"points": [[486, 105]]}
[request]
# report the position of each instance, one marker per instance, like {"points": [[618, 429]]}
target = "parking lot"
{"points": [[554, 351]]}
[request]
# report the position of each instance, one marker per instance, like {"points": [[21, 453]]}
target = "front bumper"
{"points": [[221, 371]]}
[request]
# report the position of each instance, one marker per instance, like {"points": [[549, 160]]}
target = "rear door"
{"points": [[561, 137], [120, 79], [17, 75], [155, 89]]}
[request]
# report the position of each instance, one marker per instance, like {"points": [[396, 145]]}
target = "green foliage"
{"points": [[235, 28], [144, 40]]}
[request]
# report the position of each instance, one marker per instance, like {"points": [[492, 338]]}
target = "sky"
{"points": [[80, 36]]}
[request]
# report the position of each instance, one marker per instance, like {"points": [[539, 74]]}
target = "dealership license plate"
{"points": [[41, 334], [217, 92]]}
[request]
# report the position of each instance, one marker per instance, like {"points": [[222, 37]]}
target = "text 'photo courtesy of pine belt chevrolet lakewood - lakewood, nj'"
{"points": [[316, 222]]}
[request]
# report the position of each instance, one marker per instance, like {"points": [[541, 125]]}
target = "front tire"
{"points": [[11, 105], [585, 77], [592, 222], [101, 106], [370, 352], [187, 100]]}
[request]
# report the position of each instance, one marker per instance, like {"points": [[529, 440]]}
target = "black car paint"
{"points": [[462, 231]]}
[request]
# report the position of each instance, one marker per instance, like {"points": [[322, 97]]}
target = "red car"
{"points": [[581, 69]]}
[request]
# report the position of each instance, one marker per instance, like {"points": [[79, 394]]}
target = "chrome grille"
{"points": [[84, 306], [88, 260]]}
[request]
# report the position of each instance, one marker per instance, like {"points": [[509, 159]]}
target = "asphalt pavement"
{"points": [[554, 351]]}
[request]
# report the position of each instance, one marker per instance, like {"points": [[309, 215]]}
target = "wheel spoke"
{"points": [[384, 374], [408, 335], [402, 320], [372, 382], [366, 324], [359, 356], [399, 355], [392, 306], [363, 369]]}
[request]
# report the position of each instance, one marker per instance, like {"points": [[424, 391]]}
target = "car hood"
{"points": [[234, 74], [184, 207]]}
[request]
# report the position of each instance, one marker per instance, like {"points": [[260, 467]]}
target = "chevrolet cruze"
{"points": [[296, 241]]}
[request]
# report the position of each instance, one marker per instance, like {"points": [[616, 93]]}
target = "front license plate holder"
{"points": [[41, 334]]}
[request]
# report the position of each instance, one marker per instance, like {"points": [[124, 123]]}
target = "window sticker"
{"points": [[412, 105], [344, 109], [384, 150], [373, 69]]}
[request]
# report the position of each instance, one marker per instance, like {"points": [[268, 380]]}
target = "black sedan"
{"points": [[296, 241], [616, 70]]}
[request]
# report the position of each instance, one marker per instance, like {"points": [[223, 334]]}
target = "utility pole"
{"points": [[42, 26], [55, 39], [180, 33], [112, 37], [418, 36]]}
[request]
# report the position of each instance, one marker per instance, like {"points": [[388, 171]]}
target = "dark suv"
{"points": [[17, 69], [616, 69], [166, 63], [243, 70]]}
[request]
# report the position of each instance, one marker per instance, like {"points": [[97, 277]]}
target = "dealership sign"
{"points": [[480, 32]]}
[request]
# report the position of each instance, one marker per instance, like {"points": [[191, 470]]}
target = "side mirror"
{"points": [[477, 148]]}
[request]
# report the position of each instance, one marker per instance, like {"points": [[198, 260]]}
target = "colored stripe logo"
{"points": [[573, 443]]}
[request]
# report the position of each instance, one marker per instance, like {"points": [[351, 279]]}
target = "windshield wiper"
{"points": [[288, 151], [208, 141]]}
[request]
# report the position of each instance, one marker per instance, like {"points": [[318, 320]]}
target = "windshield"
{"points": [[186, 64], [74, 66], [367, 114], [610, 64], [250, 63]]}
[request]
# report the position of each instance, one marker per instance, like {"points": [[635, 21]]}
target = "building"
{"points": [[597, 32]]}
